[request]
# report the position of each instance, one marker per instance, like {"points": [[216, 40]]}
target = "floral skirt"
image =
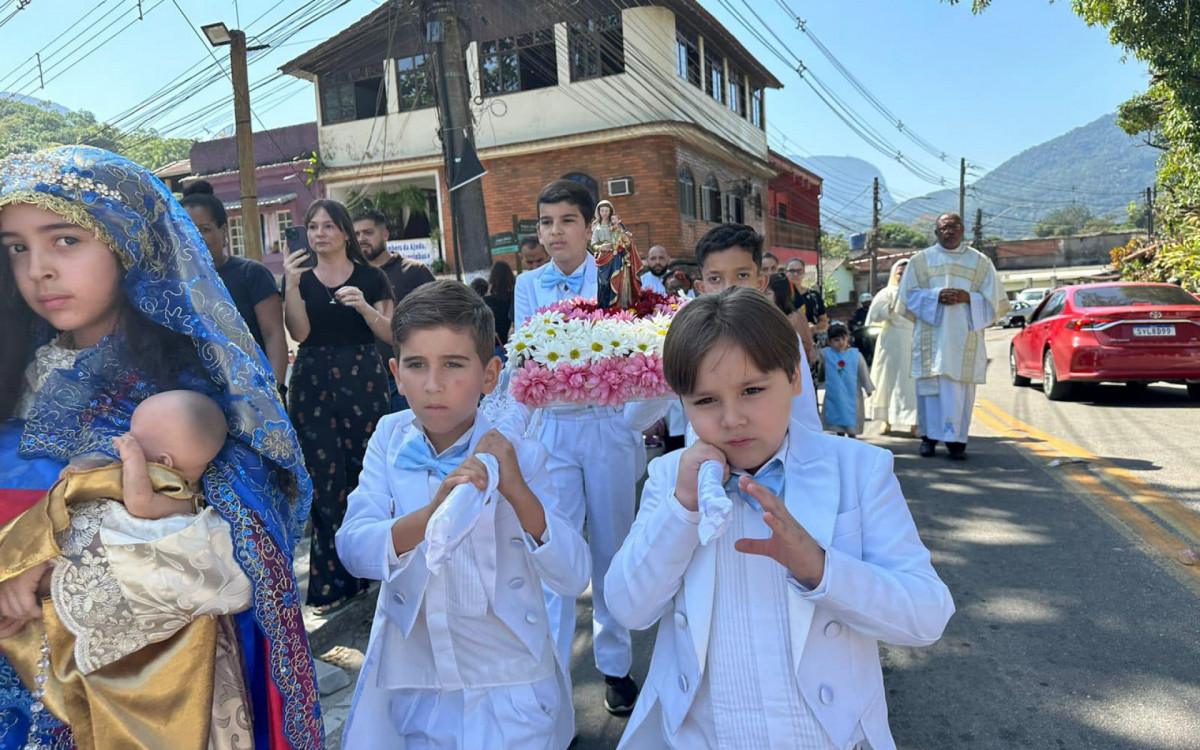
{"points": [[336, 396]]}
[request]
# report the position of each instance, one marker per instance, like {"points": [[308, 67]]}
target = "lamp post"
{"points": [[218, 36]]}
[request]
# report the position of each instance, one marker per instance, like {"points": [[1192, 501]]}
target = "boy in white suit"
{"points": [[767, 632], [461, 658], [596, 453]]}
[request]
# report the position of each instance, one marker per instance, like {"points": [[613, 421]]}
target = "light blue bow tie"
{"points": [[552, 277], [772, 478], [416, 455]]}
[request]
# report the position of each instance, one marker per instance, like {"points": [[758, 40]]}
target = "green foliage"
{"points": [[1073, 219], [26, 127], [895, 234], [834, 245], [398, 206]]}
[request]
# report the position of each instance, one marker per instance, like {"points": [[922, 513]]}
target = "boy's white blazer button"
{"points": [[833, 629], [680, 620], [516, 583], [531, 618], [826, 694], [683, 683], [399, 597]]}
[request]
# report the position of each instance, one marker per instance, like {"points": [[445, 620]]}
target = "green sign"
{"points": [[527, 226], [503, 243]]}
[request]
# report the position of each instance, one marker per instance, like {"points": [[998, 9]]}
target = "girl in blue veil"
{"points": [[76, 358]]}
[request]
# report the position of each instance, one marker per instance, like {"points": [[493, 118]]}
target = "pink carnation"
{"points": [[571, 383], [533, 385], [645, 376], [611, 386]]}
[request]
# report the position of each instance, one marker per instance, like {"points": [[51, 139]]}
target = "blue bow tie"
{"points": [[771, 477], [416, 455], [552, 277]]}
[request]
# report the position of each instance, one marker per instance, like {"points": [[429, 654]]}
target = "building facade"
{"points": [[281, 157], [794, 200], [654, 107]]}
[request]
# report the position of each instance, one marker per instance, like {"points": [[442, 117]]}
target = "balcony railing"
{"points": [[793, 235]]}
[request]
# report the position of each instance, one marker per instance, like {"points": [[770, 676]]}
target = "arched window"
{"points": [[710, 199], [686, 190], [588, 182]]}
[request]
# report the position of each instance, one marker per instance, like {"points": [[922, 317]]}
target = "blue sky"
{"points": [[985, 87]]}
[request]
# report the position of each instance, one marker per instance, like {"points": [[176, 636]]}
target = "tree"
{"points": [[834, 245], [895, 234], [27, 127], [1063, 221]]}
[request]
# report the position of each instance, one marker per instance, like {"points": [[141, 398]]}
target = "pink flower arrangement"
{"points": [[573, 353]]}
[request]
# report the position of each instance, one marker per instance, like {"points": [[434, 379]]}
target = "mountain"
{"points": [[43, 104], [845, 207], [1097, 165]]}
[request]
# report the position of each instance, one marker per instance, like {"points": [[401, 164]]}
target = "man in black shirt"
{"points": [[403, 274]]}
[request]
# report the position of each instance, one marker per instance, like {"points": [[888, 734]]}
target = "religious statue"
{"points": [[617, 260]]}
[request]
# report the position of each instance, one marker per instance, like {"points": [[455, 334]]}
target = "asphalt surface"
{"points": [[1154, 434], [1071, 632]]}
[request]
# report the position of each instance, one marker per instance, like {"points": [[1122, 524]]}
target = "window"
{"points": [[353, 95], [597, 47], [237, 236], [414, 84], [710, 199], [588, 182], [714, 81], [1053, 305], [283, 220], [756, 108], [1128, 296], [687, 56], [686, 192], [735, 208], [519, 63], [737, 92], [781, 211]]}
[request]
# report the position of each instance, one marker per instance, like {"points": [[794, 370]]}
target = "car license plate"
{"points": [[1153, 331]]}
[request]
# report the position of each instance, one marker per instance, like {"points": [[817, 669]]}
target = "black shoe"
{"points": [[620, 695], [958, 451], [927, 447]]}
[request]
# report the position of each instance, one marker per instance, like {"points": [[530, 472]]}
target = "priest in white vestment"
{"points": [[952, 293]]}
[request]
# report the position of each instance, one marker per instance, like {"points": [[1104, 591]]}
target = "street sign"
{"points": [[527, 227], [419, 250], [503, 243]]}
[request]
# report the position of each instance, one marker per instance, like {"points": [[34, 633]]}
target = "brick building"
{"points": [[794, 200], [655, 107]]}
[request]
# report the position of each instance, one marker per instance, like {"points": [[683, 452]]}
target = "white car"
{"points": [[1033, 295]]}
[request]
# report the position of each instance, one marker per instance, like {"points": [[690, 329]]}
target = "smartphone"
{"points": [[297, 239]]}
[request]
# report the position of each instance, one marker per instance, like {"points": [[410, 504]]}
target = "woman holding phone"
{"points": [[335, 308]]}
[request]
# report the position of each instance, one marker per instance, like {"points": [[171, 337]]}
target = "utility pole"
{"points": [[1149, 212], [467, 214], [962, 188], [251, 228], [979, 234], [873, 239]]}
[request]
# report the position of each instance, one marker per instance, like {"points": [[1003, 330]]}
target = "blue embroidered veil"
{"points": [[258, 482]]}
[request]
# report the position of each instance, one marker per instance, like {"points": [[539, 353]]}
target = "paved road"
{"points": [[1071, 632], [1153, 434]]}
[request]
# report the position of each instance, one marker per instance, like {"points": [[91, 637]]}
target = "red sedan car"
{"points": [[1133, 333]]}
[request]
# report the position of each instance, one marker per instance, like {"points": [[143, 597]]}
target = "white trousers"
{"points": [[944, 407], [594, 465], [516, 716]]}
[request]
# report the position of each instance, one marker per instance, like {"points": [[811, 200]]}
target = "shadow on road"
{"points": [[1115, 395], [1067, 635]]}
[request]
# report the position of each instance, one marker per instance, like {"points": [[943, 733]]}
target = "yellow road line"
{"points": [[1123, 495]]}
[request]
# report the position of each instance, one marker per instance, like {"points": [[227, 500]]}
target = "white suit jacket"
{"points": [[529, 294], [364, 544], [878, 585]]}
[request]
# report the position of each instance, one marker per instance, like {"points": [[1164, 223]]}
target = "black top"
{"points": [[810, 302], [404, 275], [333, 324], [249, 282], [503, 313]]}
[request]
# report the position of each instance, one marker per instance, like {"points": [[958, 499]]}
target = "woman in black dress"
{"points": [[499, 298], [336, 305]]}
